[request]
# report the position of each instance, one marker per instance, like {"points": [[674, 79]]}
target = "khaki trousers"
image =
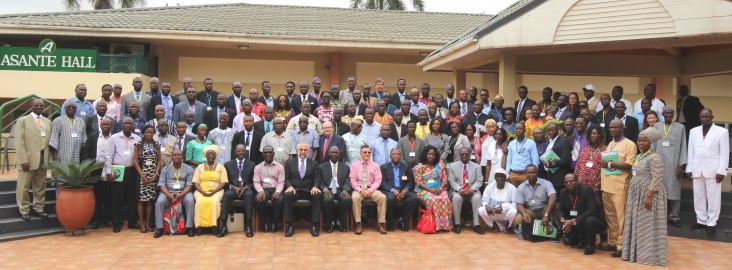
{"points": [[26, 179], [517, 178], [378, 197], [614, 205]]}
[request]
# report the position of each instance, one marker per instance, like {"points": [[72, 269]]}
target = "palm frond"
{"points": [[357, 4], [72, 4], [395, 5], [132, 3], [418, 5]]}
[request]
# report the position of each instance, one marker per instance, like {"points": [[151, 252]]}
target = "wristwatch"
{"points": [[546, 214]]}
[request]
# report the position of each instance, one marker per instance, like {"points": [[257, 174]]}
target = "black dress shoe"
{"points": [[42, 215], [315, 231], [403, 226], [25, 217], [158, 233], [289, 231], [698, 226], [607, 248], [133, 226], [589, 250], [223, 232], [264, 228], [274, 228], [329, 228], [477, 229], [191, 232], [248, 231], [711, 229], [96, 224], [617, 253], [116, 228], [457, 229], [342, 228], [108, 223], [199, 231], [390, 226], [675, 223]]}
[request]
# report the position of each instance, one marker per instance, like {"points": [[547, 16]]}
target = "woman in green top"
{"points": [[194, 148]]}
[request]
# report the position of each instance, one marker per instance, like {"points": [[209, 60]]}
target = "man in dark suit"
{"points": [[181, 137], [563, 110], [250, 138], [562, 147], [689, 108], [240, 172], [234, 101], [398, 185], [91, 122], [327, 140], [300, 185], [477, 117], [168, 101], [180, 109], [524, 102], [102, 189], [211, 118], [339, 191], [400, 94], [339, 127], [631, 124], [360, 105], [303, 97], [398, 130], [208, 95], [266, 125]]}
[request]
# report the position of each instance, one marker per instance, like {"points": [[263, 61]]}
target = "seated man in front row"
{"points": [[465, 183], [578, 212], [398, 185], [498, 203], [332, 178], [300, 184], [240, 172], [365, 181], [535, 199], [176, 182]]}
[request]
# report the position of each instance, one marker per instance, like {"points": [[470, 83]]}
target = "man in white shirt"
{"points": [[649, 92]]}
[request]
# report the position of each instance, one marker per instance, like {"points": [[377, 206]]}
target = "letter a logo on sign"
{"points": [[47, 46]]}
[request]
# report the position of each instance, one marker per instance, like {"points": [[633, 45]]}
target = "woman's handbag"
{"points": [[426, 223]]}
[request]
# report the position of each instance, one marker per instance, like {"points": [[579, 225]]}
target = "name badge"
{"points": [[533, 202], [74, 135], [249, 148], [43, 134], [208, 108], [82, 113], [126, 152], [431, 181], [573, 213], [176, 186], [267, 180], [472, 156], [412, 154], [404, 178], [162, 149], [352, 149], [240, 179], [148, 162], [602, 125], [542, 114], [588, 164], [137, 130], [701, 144], [666, 144], [279, 149], [634, 172], [224, 147], [499, 124], [211, 184]]}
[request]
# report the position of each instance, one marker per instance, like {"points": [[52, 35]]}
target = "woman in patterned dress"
{"points": [[644, 233], [147, 157], [589, 167], [325, 110], [454, 115], [283, 108], [430, 175]]}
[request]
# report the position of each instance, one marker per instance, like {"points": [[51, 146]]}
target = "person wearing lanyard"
{"points": [[613, 184], [191, 105], [465, 182], [32, 154], [281, 141], [535, 199], [269, 182], [307, 136], [354, 141], [142, 99], [166, 141], [119, 152], [673, 148], [84, 108], [398, 186], [175, 183], [578, 212], [208, 94], [240, 172], [606, 111], [94, 149], [68, 135], [521, 152], [133, 112], [410, 145]]}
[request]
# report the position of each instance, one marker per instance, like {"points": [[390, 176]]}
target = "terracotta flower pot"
{"points": [[75, 207]]}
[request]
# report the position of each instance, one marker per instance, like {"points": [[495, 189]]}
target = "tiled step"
{"points": [[30, 233]]}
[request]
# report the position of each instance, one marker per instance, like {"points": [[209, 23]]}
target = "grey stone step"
{"points": [[16, 224], [31, 233], [11, 210], [8, 197]]}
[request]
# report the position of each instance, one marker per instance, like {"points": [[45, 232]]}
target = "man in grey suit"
{"points": [[410, 145], [563, 110], [338, 190], [138, 96], [31, 141], [465, 182], [199, 109]]}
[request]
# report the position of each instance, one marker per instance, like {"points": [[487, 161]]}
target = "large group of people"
{"points": [[597, 165]]}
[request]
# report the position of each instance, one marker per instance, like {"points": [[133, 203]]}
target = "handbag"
{"points": [[426, 223], [173, 222], [236, 222]]}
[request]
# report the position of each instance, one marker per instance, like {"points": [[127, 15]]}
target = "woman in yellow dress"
{"points": [[209, 180]]}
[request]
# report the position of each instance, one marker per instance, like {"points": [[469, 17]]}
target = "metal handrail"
{"points": [[20, 102]]}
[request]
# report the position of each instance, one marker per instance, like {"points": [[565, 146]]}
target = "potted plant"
{"points": [[75, 202]]}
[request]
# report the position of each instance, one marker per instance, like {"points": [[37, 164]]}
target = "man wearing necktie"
{"points": [[466, 180], [266, 125], [240, 172], [31, 133], [365, 179], [332, 178], [300, 184], [250, 138], [328, 140]]}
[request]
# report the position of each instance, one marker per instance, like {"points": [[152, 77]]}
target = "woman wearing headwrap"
{"points": [[644, 234], [209, 179], [194, 148]]}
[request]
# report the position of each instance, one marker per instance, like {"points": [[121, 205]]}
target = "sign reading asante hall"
{"points": [[48, 58]]}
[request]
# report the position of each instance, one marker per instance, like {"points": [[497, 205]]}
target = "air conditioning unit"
{"points": [[120, 48]]}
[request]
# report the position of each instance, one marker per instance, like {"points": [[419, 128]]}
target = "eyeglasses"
{"points": [[366, 152]]}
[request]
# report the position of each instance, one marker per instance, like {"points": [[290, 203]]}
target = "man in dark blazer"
{"points": [[240, 172], [339, 127], [297, 100], [91, 122], [102, 189], [255, 140], [332, 140], [562, 147], [179, 111], [211, 118], [181, 137], [268, 120], [158, 100], [688, 108], [398, 129], [208, 95], [234, 101], [631, 124], [475, 117], [398, 185], [523, 102], [300, 185], [563, 110], [339, 191]]}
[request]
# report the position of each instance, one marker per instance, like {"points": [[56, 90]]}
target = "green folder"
{"points": [[547, 156], [539, 230], [611, 156], [118, 172]]}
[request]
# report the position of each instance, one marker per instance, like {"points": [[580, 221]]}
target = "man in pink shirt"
{"points": [[365, 180]]}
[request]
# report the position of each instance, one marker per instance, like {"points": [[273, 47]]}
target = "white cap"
{"points": [[589, 87]]}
